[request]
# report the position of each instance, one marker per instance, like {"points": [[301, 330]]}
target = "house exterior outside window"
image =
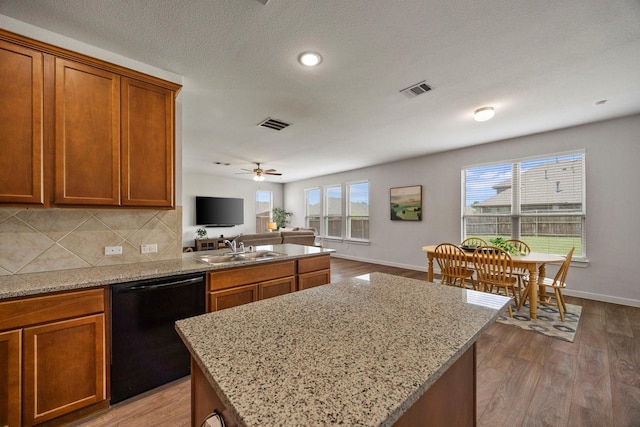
{"points": [[264, 204], [540, 201], [333, 211], [358, 210], [313, 208]]}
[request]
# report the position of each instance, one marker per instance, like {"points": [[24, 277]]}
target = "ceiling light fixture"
{"points": [[483, 114], [258, 178], [310, 59]]}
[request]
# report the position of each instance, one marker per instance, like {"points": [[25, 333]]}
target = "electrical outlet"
{"points": [[149, 248], [113, 250]]}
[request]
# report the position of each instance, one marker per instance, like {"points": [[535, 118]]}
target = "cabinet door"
{"points": [[87, 135], [64, 367], [21, 124], [10, 377], [313, 279], [274, 288], [233, 297], [147, 144]]}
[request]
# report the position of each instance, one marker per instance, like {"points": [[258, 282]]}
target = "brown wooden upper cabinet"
{"points": [[21, 124], [82, 132], [87, 141]]}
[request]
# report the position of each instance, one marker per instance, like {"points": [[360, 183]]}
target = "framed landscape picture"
{"points": [[406, 203]]}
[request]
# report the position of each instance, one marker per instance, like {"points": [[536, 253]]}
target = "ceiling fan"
{"points": [[260, 173]]}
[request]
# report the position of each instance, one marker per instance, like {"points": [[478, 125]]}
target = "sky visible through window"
{"points": [[479, 182], [359, 194]]}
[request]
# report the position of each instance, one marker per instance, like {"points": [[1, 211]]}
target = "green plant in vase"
{"points": [[505, 246], [281, 217], [201, 233]]}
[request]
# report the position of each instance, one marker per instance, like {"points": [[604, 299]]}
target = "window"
{"points": [[264, 204], [333, 211], [358, 210], [345, 213], [540, 201], [313, 208]]}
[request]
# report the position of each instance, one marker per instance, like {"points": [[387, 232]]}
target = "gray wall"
{"points": [[612, 230], [216, 186]]}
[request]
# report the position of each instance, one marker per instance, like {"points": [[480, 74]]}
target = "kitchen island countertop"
{"points": [[359, 352], [21, 285]]}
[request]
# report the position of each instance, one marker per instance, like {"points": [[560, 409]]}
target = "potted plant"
{"points": [[505, 246], [201, 233], [281, 217]]}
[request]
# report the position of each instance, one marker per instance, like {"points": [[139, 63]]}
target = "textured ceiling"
{"points": [[542, 64]]}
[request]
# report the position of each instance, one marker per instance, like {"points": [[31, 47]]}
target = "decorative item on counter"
{"points": [[201, 233], [281, 217]]}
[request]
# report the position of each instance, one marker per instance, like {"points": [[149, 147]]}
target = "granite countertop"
{"points": [[21, 285], [358, 352]]}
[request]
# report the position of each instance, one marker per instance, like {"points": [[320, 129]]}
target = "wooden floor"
{"points": [[524, 379]]}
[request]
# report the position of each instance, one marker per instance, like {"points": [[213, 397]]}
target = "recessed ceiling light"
{"points": [[483, 114], [310, 59]]}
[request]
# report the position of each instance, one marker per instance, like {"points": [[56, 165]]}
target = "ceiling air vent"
{"points": [[415, 90], [274, 124]]}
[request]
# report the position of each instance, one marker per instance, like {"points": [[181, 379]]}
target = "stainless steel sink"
{"points": [[237, 257]]}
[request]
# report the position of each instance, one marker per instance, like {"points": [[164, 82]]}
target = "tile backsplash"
{"points": [[36, 240]]}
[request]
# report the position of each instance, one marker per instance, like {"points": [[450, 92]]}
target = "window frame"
{"points": [[518, 215], [307, 217], [326, 217], [270, 216], [348, 212]]}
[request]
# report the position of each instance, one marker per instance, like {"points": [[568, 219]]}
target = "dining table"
{"points": [[533, 262]]}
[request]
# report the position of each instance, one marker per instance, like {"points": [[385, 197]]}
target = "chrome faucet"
{"points": [[232, 245]]}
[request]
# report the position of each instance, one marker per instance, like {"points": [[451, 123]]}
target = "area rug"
{"points": [[548, 322]]}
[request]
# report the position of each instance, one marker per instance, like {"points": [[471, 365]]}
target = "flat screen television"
{"points": [[219, 211]]}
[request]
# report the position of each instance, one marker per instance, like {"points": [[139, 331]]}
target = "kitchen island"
{"points": [[377, 350]]}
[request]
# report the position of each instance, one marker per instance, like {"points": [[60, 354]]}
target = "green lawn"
{"points": [[555, 245]]}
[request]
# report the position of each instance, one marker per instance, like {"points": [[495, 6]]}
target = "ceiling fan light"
{"points": [[310, 59], [483, 114], [258, 178]]}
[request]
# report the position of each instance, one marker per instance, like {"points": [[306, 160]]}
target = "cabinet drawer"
{"points": [[274, 288], [240, 295], [33, 310], [316, 278], [244, 275], [305, 265]]}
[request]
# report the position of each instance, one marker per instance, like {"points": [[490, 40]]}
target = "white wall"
{"points": [[612, 229], [216, 186]]}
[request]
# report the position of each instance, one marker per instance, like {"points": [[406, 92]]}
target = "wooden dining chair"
{"points": [[453, 266], [494, 270], [551, 289], [521, 273], [473, 242]]}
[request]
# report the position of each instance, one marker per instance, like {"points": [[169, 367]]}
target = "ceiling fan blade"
{"points": [[271, 173]]}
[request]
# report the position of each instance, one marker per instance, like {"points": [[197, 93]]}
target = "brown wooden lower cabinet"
{"points": [[233, 297], [316, 278], [10, 377], [242, 285], [64, 367], [53, 358], [274, 288]]}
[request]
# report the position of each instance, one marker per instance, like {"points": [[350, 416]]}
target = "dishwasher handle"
{"points": [[151, 287]]}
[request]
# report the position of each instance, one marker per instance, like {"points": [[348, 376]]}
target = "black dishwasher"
{"points": [[146, 350]]}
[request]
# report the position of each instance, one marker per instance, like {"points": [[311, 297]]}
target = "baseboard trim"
{"points": [[571, 292], [602, 298]]}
